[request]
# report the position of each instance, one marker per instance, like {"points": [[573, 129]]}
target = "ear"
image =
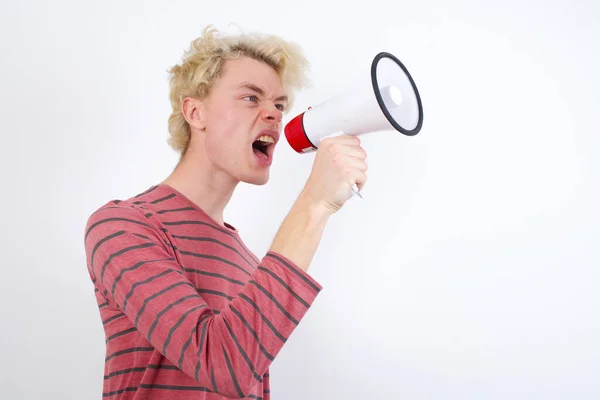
{"points": [[193, 112]]}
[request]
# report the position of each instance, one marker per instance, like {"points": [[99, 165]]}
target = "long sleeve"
{"points": [[130, 263]]}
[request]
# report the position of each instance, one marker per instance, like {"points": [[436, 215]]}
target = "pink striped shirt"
{"points": [[189, 312]]}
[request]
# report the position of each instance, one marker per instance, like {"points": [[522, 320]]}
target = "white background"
{"points": [[479, 277]]}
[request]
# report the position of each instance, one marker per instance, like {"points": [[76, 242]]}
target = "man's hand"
{"points": [[339, 163]]}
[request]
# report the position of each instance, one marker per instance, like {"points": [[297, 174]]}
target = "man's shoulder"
{"points": [[116, 213], [116, 209]]}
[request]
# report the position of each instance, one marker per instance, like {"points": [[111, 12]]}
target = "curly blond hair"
{"points": [[202, 64]]}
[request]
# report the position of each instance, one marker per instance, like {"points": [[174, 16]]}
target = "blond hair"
{"points": [[202, 64]]}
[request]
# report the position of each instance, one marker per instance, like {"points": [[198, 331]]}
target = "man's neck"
{"points": [[209, 188]]}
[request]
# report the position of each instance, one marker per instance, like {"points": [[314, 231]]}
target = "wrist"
{"points": [[316, 208]]}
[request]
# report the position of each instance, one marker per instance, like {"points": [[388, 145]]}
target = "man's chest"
{"points": [[218, 269]]}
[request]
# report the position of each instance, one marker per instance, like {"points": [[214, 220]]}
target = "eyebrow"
{"points": [[258, 90]]}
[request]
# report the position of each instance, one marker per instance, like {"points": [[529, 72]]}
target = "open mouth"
{"points": [[263, 145]]}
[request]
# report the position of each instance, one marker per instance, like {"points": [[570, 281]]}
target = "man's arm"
{"points": [[228, 352], [339, 163], [301, 231]]}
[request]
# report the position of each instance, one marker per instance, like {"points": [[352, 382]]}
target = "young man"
{"points": [[188, 310]]}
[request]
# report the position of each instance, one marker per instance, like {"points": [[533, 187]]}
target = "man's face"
{"points": [[245, 104]]}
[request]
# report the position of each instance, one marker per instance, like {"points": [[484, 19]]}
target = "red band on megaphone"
{"points": [[296, 136]]}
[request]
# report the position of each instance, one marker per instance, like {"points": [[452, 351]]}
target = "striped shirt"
{"points": [[189, 312]]}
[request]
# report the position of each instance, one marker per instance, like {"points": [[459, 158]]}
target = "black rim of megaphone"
{"points": [[407, 132]]}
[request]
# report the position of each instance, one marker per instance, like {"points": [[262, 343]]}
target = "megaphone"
{"points": [[386, 99]]}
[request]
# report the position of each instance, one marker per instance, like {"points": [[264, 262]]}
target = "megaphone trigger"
{"points": [[356, 191]]}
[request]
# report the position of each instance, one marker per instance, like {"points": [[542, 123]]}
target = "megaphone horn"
{"points": [[386, 100]]}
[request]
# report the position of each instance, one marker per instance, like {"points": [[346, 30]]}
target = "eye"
{"points": [[253, 98], [280, 107]]}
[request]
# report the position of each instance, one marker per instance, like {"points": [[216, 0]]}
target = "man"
{"points": [[188, 310]]}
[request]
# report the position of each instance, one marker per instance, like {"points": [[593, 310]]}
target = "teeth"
{"points": [[266, 139]]}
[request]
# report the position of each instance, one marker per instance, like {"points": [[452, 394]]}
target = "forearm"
{"points": [[301, 231]]}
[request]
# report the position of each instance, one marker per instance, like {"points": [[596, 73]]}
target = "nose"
{"points": [[272, 114]]}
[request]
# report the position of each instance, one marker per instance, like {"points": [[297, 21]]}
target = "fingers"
{"points": [[356, 152], [355, 170], [350, 156], [346, 145], [356, 163], [347, 158], [360, 178]]}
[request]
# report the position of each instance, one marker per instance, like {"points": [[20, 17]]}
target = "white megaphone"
{"points": [[386, 99]]}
